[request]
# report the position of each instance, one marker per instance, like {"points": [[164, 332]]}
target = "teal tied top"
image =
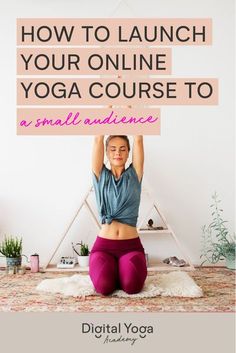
{"points": [[118, 199]]}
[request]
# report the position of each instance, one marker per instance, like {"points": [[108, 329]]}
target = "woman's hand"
{"points": [[138, 155], [98, 154]]}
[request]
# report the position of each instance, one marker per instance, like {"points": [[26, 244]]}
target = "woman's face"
{"points": [[117, 151]]}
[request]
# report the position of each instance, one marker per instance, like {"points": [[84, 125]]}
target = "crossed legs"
{"points": [[109, 273]]}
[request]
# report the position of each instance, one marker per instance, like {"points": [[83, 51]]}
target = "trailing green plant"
{"points": [[217, 243], [11, 247], [84, 250]]}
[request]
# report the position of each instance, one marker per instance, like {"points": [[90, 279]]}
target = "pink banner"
{"points": [[82, 121], [96, 61], [150, 91], [113, 32]]}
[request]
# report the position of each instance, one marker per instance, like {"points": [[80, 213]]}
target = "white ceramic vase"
{"points": [[83, 261]]}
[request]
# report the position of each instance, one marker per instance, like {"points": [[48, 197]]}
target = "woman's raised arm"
{"points": [[138, 155], [98, 154]]}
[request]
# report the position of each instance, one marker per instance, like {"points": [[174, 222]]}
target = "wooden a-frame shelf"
{"points": [[154, 266]]}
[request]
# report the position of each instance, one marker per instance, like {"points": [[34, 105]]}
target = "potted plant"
{"points": [[11, 248], [83, 254], [217, 243]]}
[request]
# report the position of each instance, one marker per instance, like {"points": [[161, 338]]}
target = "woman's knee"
{"points": [[132, 271], [103, 272]]}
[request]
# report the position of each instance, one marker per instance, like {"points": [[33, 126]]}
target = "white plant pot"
{"points": [[83, 261]]}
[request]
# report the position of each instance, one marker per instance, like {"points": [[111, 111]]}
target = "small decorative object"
{"points": [[67, 262], [217, 244], [11, 248], [83, 254], [11, 270], [34, 263], [151, 227], [21, 270], [174, 261]]}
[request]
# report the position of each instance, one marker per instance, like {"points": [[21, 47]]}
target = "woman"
{"points": [[117, 258]]}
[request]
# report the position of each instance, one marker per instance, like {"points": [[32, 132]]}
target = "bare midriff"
{"points": [[118, 231]]}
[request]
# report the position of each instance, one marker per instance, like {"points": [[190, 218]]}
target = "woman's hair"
{"points": [[124, 137]]}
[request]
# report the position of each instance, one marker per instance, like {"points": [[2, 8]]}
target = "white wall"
{"points": [[44, 179]]}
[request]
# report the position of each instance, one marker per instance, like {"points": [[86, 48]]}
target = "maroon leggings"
{"points": [[117, 264]]}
